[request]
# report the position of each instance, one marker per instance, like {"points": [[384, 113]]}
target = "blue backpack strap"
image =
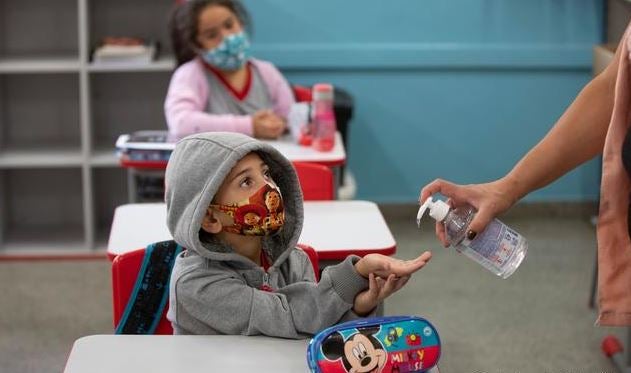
{"points": [[151, 291]]}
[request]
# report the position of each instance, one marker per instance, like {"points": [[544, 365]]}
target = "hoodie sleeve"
{"points": [[226, 303]]}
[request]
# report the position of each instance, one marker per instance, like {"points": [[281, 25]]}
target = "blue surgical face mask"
{"points": [[231, 54]]}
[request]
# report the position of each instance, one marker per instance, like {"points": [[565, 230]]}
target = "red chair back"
{"points": [[313, 256], [302, 94], [316, 181], [125, 268]]}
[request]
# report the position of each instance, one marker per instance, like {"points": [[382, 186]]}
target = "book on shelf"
{"points": [[117, 51]]}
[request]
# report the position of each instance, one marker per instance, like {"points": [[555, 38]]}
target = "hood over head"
{"points": [[197, 168]]}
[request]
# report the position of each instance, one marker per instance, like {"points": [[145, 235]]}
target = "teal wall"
{"points": [[457, 89]]}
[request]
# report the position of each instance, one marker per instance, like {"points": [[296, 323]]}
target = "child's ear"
{"points": [[210, 223]]}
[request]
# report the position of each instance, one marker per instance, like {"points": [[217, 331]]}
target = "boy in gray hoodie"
{"points": [[235, 204]]}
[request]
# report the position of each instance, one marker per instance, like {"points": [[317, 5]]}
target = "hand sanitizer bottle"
{"points": [[498, 248]]}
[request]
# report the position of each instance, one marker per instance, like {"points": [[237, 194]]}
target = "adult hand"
{"points": [[267, 125], [384, 266], [489, 199]]}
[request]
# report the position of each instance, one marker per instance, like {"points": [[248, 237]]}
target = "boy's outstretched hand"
{"points": [[378, 290], [384, 266]]}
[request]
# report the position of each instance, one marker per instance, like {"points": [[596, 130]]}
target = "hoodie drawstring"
{"points": [[266, 285]]}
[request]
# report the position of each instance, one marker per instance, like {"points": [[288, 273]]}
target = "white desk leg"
{"points": [[131, 185]]}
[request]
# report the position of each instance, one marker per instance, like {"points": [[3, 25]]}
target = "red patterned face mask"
{"points": [[262, 214]]}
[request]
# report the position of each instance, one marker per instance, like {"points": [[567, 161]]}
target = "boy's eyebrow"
{"points": [[247, 169]]}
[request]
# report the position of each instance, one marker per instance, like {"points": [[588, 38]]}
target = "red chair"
{"points": [[302, 94], [316, 181], [125, 268], [313, 256]]}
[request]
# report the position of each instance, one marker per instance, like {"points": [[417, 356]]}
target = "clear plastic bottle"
{"points": [[324, 126], [498, 248]]}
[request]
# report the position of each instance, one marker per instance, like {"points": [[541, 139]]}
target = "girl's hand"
{"points": [[378, 290], [267, 125], [384, 266], [490, 200]]}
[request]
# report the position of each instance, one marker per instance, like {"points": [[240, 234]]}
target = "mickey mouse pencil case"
{"points": [[377, 345]]}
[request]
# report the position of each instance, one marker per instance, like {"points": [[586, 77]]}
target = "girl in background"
{"points": [[217, 86]]}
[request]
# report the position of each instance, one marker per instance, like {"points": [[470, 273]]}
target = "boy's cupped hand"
{"points": [[378, 290], [384, 266]]}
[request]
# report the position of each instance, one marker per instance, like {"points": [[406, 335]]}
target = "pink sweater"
{"points": [[188, 94]]}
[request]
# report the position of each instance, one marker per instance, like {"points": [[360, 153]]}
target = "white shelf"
{"points": [[19, 65], [161, 64], [44, 241], [56, 246], [40, 158], [60, 116], [58, 192], [104, 158]]}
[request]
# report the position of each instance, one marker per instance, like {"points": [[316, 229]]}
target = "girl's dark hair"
{"points": [[183, 24]]}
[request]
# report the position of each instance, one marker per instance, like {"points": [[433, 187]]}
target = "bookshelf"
{"points": [[60, 116]]}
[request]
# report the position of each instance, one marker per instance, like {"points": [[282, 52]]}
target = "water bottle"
{"points": [[324, 126], [498, 248]]}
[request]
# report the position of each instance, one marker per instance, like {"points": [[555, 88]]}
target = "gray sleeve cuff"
{"points": [[345, 280]]}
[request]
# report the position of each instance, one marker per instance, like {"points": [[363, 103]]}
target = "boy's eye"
{"points": [[229, 24], [246, 182], [267, 173]]}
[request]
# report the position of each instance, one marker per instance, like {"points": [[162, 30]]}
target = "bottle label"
{"points": [[495, 244]]}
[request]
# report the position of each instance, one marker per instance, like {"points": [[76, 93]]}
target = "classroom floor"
{"points": [[535, 321]]}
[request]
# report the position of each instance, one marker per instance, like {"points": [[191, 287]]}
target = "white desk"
{"points": [[334, 229], [187, 354], [298, 153], [285, 145]]}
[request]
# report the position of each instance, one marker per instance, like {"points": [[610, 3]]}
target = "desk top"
{"points": [[187, 353], [191, 354], [286, 145], [334, 229], [298, 153]]}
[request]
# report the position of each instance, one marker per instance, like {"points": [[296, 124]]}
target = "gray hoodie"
{"points": [[215, 290]]}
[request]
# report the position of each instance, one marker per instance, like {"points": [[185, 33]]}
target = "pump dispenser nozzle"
{"points": [[437, 210]]}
